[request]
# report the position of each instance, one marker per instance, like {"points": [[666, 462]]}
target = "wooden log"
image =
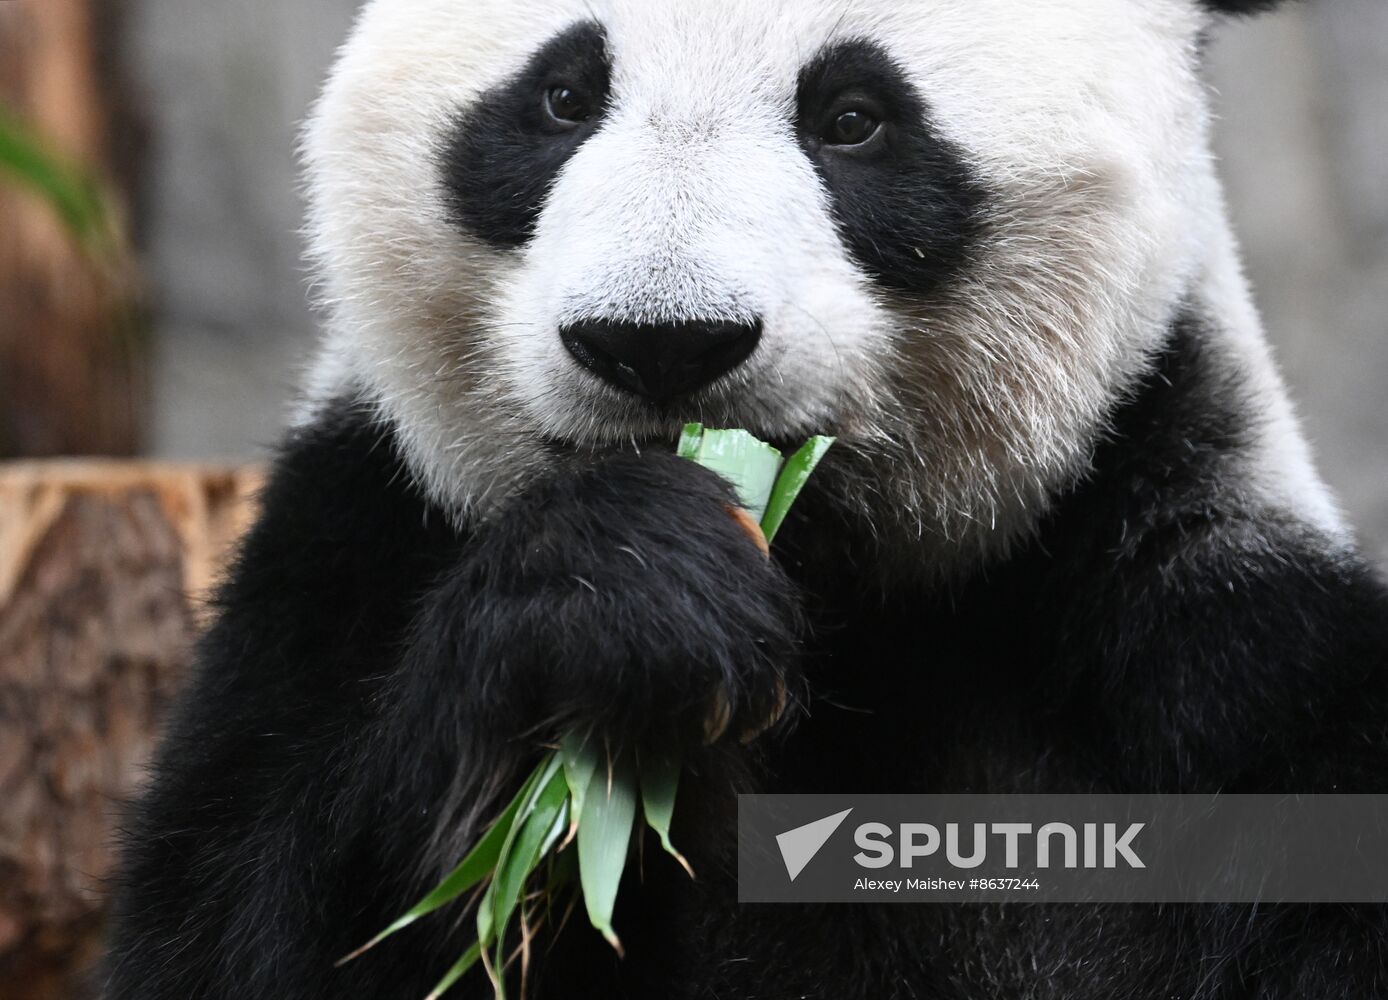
{"points": [[102, 568], [71, 351]]}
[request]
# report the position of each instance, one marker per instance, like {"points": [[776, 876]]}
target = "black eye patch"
{"points": [[504, 152], [905, 202]]}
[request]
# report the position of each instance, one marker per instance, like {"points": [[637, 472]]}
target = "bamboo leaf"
{"points": [[534, 785], [689, 441], [469, 959], [485, 924], [604, 834], [791, 481], [536, 826], [581, 759], [523, 862], [479, 863], [750, 465], [559, 826], [660, 780]]}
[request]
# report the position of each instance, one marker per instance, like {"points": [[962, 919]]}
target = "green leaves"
{"points": [[766, 486], [580, 762], [794, 475], [575, 790], [660, 780], [750, 465], [72, 193], [479, 864], [604, 831], [469, 959], [581, 794], [690, 438], [539, 823]]}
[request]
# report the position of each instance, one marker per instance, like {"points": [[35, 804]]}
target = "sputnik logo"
{"points": [[799, 846]]}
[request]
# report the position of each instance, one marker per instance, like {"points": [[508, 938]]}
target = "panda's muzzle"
{"points": [[661, 361]]}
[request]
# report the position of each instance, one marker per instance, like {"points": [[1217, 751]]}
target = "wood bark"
{"points": [[102, 570], [70, 347]]}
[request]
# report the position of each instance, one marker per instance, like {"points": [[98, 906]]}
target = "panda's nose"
{"points": [[661, 361]]}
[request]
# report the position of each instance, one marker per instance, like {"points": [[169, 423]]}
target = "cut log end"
{"points": [[103, 567]]}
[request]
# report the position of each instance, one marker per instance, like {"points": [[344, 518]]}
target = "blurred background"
{"points": [[160, 313]]}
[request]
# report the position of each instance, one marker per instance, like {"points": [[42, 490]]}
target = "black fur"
{"points": [[905, 203], [1242, 7], [505, 151], [376, 681]]}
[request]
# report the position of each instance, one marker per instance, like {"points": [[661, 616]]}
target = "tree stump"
{"points": [[102, 568]]}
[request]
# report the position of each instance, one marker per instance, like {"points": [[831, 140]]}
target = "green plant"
{"points": [[68, 188]]}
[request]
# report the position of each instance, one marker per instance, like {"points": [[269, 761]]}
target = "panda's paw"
{"points": [[627, 597]]}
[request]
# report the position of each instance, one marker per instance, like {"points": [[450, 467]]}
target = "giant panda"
{"points": [[1071, 539]]}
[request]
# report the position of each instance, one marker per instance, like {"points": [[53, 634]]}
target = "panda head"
{"points": [[949, 231]]}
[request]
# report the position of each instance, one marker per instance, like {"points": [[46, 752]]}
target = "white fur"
{"points": [[965, 411]]}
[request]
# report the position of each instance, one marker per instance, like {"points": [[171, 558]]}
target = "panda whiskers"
{"points": [[828, 338]]}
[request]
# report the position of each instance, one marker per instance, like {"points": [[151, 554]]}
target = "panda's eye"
{"points": [[568, 106], [852, 128]]}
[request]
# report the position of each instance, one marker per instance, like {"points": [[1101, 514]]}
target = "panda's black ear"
{"points": [[1241, 7]]}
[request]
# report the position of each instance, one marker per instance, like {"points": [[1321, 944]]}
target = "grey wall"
{"points": [[226, 85], [1303, 139]]}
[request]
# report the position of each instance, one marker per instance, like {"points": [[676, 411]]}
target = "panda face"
{"points": [[675, 251], [947, 231]]}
